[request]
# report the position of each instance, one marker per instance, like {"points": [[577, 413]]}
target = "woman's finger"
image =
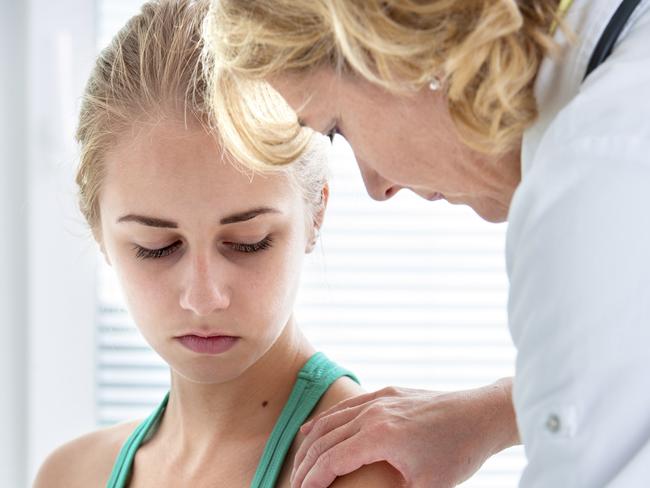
{"points": [[341, 459], [350, 403], [320, 446], [325, 428]]}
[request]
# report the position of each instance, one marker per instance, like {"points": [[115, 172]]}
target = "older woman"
{"points": [[518, 110]]}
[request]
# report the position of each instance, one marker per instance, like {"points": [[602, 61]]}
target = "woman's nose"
{"points": [[378, 187], [204, 292]]}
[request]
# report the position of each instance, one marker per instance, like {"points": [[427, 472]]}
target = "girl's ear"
{"points": [[319, 217]]}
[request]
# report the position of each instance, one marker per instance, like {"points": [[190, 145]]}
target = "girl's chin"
{"points": [[209, 370], [201, 375]]}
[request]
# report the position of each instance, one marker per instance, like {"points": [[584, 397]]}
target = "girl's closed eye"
{"points": [[146, 253], [240, 247]]}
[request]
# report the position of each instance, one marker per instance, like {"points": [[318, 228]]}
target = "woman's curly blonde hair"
{"points": [[487, 52]]}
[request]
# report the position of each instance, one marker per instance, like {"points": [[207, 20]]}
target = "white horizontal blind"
{"points": [[404, 292]]}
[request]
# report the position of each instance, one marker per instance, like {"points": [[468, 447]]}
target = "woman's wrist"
{"points": [[503, 420]]}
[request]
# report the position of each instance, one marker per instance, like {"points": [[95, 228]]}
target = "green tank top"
{"points": [[312, 382]]}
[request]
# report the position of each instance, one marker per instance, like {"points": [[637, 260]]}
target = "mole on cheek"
{"points": [[265, 403]]}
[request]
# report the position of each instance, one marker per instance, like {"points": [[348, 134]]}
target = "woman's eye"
{"points": [[248, 248], [332, 132], [145, 253]]}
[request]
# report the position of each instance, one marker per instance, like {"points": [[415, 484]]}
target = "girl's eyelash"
{"points": [[254, 247], [144, 253]]}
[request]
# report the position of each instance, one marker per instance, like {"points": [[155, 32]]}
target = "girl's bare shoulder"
{"points": [[377, 475], [340, 390], [84, 461]]}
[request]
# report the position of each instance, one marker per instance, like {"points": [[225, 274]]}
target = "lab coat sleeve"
{"points": [[578, 254]]}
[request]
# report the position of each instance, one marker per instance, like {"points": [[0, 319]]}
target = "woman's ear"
{"points": [[319, 217]]}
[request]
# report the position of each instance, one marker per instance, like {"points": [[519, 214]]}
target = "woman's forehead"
{"points": [[313, 96]]}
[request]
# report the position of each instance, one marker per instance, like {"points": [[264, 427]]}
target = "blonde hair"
{"points": [[487, 53], [153, 68]]}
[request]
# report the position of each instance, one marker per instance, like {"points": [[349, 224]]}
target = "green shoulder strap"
{"points": [[124, 462], [315, 377]]}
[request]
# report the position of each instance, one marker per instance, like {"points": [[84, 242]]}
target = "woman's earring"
{"points": [[435, 84]]}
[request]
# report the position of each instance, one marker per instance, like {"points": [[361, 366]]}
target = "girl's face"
{"points": [[403, 141], [209, 261]]}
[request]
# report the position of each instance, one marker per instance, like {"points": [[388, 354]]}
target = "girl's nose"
{"points": [[205, 291]]}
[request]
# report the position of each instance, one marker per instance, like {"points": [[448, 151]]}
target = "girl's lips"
{"points": [[208, 345]]}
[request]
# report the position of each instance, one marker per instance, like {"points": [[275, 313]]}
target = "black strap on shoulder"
{"points": [[611, 34]]}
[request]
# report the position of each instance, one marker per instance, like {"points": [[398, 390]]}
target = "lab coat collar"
{"points": [[559, 80]]}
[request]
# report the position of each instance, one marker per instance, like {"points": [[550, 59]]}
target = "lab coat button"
{"points": [[553, 423]]}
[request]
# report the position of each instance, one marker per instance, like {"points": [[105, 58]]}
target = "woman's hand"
{"points": [[431, 438]]}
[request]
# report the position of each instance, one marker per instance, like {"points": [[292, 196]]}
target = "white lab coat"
{"points": [[578, 259]]}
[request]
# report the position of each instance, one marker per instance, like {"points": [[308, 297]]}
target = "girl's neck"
{"points": [[201, 420]]}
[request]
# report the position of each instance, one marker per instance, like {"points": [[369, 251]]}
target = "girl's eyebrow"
{"points": [[247, 215], [169, 224], [148, 221]]}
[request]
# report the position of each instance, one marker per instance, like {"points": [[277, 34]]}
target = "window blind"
{"points": [[404, 292]]}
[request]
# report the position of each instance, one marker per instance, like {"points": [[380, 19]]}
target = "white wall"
{"points": [[47, 285], [13, 241]]}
